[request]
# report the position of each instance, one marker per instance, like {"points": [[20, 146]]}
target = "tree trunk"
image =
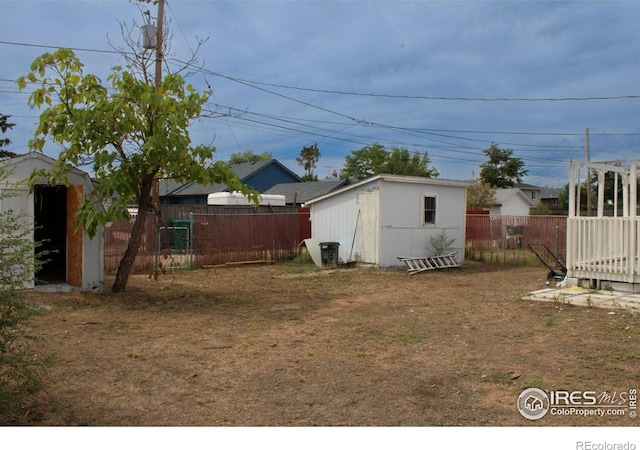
{"points": [[126, 263]]}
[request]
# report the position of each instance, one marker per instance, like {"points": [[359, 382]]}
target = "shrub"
{"points": [[441, 244], [21, 370]]}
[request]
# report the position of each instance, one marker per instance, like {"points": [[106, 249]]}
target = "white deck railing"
{"points": [[603, 245]]}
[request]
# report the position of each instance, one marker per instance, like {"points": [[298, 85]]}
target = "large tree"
{"points": [[309, 157], [502, 170], [4, 126], [376, 159], [249, 156], [130, 133]]}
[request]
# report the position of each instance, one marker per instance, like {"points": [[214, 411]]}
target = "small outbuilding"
{"points": [[74, 258], [384, 217], [510, 202]]}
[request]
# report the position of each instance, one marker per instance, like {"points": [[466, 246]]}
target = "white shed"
{"points": [[75, 259], [510, 202], [384, 217]]}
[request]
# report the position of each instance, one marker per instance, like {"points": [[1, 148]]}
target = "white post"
{"points": [[572, 190], [615, 195], [601, 193], [631, 189], [625, 195]]}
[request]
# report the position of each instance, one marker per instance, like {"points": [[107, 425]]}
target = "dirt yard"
{"points": [[288, 345]]}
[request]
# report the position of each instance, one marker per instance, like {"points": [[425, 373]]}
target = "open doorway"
{"points": [[50, 216]]}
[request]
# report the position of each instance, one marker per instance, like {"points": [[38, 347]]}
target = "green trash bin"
{"points": [[180, 230], [329, 254]]}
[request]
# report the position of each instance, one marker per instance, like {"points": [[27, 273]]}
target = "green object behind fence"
{"points": [[180, 234]]}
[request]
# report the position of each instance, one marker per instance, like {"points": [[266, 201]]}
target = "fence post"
{"points": [[190, 241]]}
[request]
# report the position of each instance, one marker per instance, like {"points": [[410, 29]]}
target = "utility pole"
{"points": [[588, 178], [155, 198], [155, 189], [159, 43]]}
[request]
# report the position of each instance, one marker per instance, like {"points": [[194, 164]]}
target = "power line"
{"points": [[76, 49], [440, 98]]}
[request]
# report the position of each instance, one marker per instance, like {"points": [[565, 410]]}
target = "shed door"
{"points": [[368, 227]]}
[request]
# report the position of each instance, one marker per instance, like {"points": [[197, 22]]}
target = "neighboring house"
{"points": [[551, 198], [259, 175], [384, 217], [298, 193], [531, 192], [75, 259], [510, 202]]}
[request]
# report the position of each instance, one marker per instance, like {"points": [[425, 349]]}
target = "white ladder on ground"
{"points": [[423, 263]]}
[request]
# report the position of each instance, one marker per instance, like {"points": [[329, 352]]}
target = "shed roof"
{"points": [[47, 160], [396, 179]]}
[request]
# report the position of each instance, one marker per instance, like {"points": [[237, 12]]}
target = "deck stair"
{"points": [[423, 263]]}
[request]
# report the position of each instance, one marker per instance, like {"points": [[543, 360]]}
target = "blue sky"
{"points": [[449, 78]]}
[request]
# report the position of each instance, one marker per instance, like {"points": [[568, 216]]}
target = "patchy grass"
{"points": [[288, 345]]}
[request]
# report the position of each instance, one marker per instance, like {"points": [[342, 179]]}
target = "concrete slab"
{"points": [[588, 297]]}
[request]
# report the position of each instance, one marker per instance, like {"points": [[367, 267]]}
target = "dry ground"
{"points": [[287, 345]]}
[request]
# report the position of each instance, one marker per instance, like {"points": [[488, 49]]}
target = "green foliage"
{"points": [[480, 196], [249, 156], [131, 134], [541, 210], [309, 157], [375, 159], [403, 162], [441, 244], [21, 370], [4, 126], [502, 170]]}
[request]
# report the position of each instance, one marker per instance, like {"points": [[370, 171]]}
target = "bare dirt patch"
{"points": [[285, 345]]}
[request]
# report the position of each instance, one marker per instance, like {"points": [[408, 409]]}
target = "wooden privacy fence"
{"points": [[210, 239], [116, 238], [501, 233]]}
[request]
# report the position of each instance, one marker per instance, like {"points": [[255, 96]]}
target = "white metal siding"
{"points": [[402, 231], [17, 201], [333, 220], [368, 229]]}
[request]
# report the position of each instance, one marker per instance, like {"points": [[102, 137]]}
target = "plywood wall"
{"points": [[74, 236]]}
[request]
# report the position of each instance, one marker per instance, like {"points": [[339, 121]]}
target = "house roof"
{"points": [[397, 179], [526, 186], [550, 192], [170, 187], [504, 195], [296, 193]]}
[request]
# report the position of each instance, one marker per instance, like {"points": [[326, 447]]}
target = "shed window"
{"points": [[429, 210]]}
